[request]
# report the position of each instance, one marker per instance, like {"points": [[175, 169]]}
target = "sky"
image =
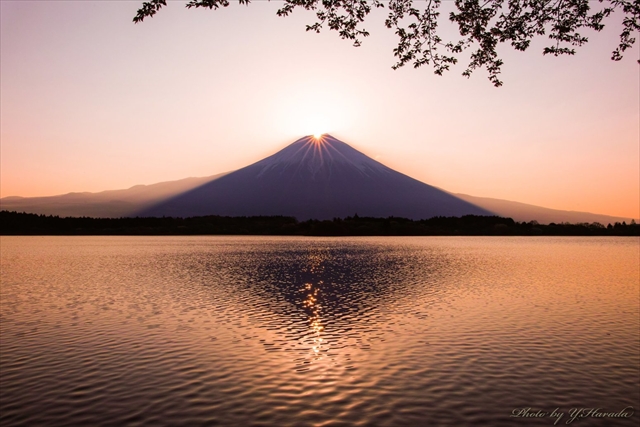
{"points": [[90, 101]]}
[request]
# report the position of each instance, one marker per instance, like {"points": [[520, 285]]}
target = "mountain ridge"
{"points": [[301, 158]]}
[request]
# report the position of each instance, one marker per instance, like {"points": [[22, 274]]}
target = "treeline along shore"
{"points": [[14, 223]]}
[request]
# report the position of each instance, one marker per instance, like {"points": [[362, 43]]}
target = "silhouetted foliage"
{"points": [[13, 223], [483, 25]]}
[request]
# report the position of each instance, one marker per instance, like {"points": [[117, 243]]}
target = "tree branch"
{"points": [[483, 26]]}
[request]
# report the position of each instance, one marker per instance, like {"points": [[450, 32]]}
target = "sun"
{"points": [[316, 124], [315, 108]]}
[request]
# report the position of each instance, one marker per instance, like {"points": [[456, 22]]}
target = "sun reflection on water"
{"points": [[311, 302]]}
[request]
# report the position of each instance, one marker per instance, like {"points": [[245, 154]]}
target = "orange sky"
{"points": [[90, 102]]}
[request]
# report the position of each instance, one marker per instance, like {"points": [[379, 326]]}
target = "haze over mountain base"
{"points": [[312, 178]]}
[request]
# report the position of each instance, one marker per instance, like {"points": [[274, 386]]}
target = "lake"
{"points": [[277, 331]]}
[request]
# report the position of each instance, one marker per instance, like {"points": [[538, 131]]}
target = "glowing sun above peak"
{"points": [[318, 135]]}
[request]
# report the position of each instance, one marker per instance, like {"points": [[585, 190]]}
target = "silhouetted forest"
{"points": [[13, 223]]}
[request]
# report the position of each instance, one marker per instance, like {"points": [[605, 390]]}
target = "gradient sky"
{"points": [[92, 102]]}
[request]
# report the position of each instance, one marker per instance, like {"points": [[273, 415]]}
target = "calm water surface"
{"points": [[155, 331]]}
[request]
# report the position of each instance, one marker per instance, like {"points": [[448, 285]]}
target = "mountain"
{"points": [[314, 178], [306, 179]]}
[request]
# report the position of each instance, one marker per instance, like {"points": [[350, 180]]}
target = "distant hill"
{"points": [[309, 179], [525, 212], [105, 204]]}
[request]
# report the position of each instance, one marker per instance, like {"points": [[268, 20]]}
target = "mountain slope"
{"points": [[316, 179]]}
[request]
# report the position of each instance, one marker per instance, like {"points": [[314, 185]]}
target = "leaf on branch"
{"points": [[148, 9]]}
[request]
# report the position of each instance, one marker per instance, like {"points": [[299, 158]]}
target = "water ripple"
{"points": [[316, 331]]}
